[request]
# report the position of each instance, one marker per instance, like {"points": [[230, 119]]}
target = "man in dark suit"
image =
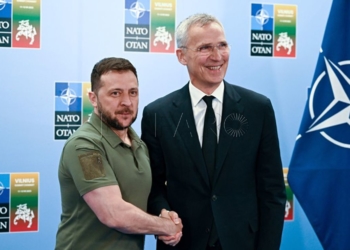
{"points": [[228, 190]]}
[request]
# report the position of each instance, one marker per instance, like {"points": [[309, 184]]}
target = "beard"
{"points": [[106, 117]]}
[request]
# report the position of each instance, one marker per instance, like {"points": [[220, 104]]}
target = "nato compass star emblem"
{"points": [[137, 10], [2, 4], [262, 16], [334, 116], [68, 96]]}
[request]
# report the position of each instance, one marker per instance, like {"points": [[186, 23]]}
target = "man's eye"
{"points": [[205, 48], [222, 45]]}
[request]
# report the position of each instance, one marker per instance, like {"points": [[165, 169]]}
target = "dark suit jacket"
{"points": [[247, 200]]}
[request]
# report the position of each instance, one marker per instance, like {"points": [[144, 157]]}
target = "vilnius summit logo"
{"points": [[149, 26], [273, 30]]}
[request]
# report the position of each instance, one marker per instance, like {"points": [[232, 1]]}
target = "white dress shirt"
{"points": [[199, 107]]}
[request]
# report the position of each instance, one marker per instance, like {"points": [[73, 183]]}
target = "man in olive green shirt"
{"points": [[104, 171]]}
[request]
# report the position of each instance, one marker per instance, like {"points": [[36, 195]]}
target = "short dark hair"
{"points": [[107, 64]]}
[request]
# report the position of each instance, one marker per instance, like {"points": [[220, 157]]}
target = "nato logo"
{"points": [[68, 109], [262, 24], [137, 26], [329, 103]]}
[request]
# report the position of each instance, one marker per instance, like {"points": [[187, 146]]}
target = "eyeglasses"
{"points": [[207, 49]]}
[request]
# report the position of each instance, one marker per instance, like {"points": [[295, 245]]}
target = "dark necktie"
{"points": [[209, 145], [209, 137]]}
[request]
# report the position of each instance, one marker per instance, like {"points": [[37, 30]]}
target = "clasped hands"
{"points": [[171, 240]]}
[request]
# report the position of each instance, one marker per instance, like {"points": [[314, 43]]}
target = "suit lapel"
{"points": [[186, 129], [231, 106]]}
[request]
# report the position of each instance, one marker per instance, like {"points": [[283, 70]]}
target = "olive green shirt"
{"points": [[93, 157]]}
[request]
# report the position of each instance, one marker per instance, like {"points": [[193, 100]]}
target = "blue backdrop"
{"points": [[74, 35]]}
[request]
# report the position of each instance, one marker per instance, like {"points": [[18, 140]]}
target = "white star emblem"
{"points": [[68, 96], [339, 96], [137, 10], [2, 4], [262, 16]]}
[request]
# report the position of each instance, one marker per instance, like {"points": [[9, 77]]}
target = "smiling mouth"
{"points": [[215, 68]]}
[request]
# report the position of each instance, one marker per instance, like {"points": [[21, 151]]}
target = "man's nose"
{"points": [[126, 101], [215, 53]]}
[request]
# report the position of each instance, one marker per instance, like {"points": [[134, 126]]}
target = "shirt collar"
{"points": [[106, 132], [197, 95]]}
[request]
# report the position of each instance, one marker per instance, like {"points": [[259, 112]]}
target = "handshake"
{"points": [[173, 228]]}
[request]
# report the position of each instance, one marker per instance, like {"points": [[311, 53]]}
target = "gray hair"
{"points": [[200, 19]]}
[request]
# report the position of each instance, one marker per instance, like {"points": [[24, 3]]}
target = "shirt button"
{"points": [[214, 198], [207, 230]]}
